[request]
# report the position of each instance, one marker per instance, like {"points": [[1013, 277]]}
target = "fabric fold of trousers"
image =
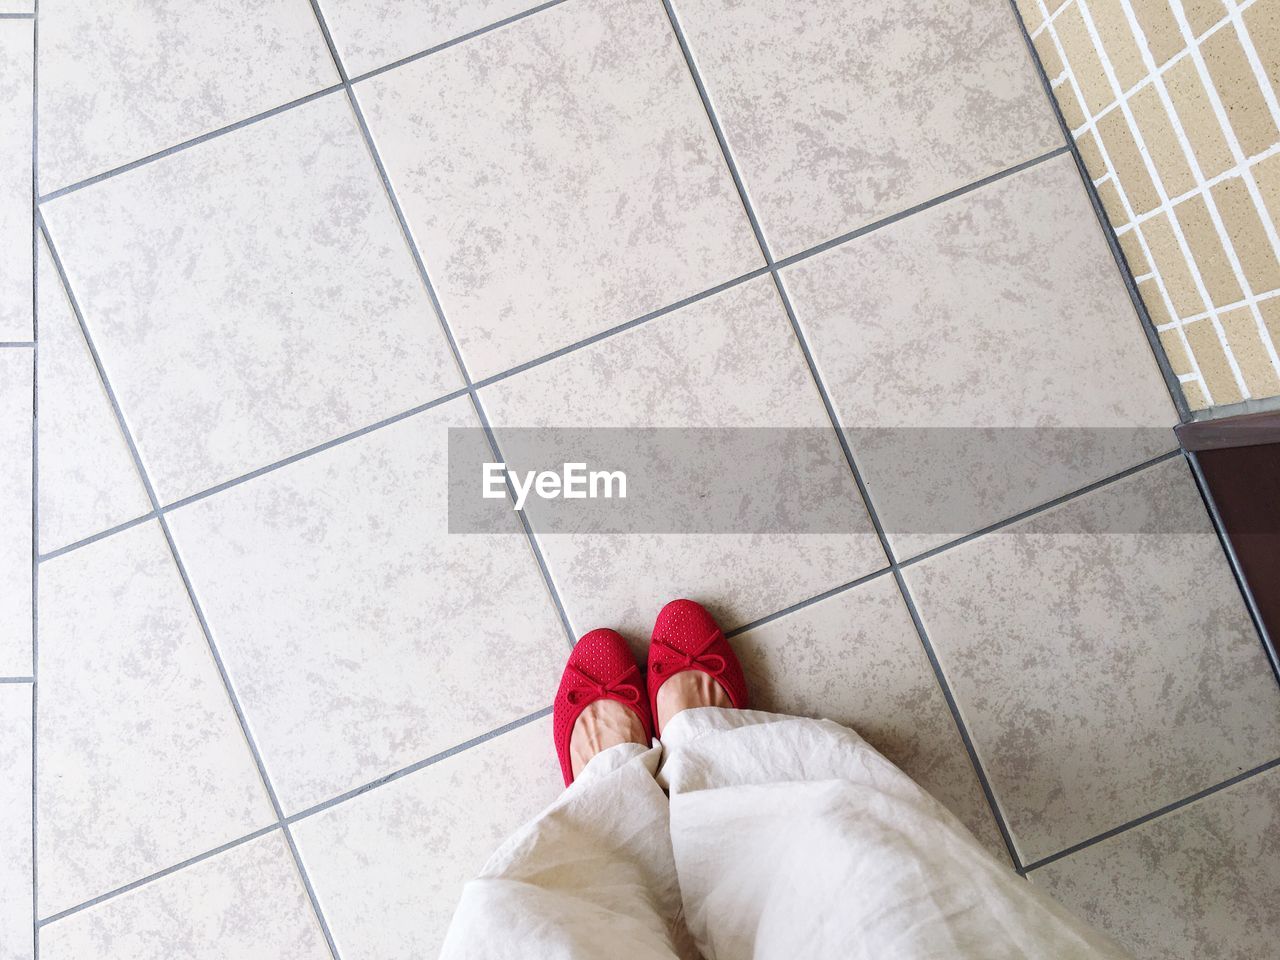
{"points": [[751, 835]]}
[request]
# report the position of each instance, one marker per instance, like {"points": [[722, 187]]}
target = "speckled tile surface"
{"points": [[1198, 882], [141, 761], [840, 113], [17, 53], [246, 902], [300, 318], [88, 480], [1102, 674], [119, 83], [561, 178], [356, 632], [317, 643], [388, 866]]}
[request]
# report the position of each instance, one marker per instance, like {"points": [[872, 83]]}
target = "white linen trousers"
{"points": [[751, 835]]}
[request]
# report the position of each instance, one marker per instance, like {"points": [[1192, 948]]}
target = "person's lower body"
{"points": [[768, 837]]}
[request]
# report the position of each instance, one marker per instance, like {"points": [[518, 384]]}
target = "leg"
{"points": [[794, 838]]}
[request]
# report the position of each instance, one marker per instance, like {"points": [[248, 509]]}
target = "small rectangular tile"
{"points": [[1199, 120], [356, 629], [1270, 310], [1127, 162], [1198, 882], [1248, 236], [1201, 234], [244, 902], [730, 361], [1050, 59], [1083, 60], [1253, 358], [1172, 264], [856, 659], [1161, 141], [1091, 154], [560, 178], [1237, 85], [1112, 203], [16, 930], [903, 323], [1176, 352], [1069, 103], [1134, 255], [1266, 173], [1118, 41], [16, 57], [88, 480], [158, 73], [388, 866], [1104, 672], [1160, 28], [804, 113], [1032, 14], [1202, 14], [300, 318], [142, 762], [1210, 356], [1155, 302], [371, 34], [1263, 27], [1194, 395], [15, 510]]}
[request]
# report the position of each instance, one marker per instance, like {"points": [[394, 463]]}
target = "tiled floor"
{"points": [[280, 711]]}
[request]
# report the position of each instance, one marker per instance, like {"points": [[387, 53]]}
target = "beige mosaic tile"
{"points": [[1134, 255], [1032, 14], [1214, 366], [1237, 85], [1082, 59], [1127, 162], [1161, 141], [803, 105], [1091, 153], [1154, 301], [1112, 203], [1176, 351], [1199, 121], [1198, 882], [1196, 398], [1256, 366], [1118, 41], [1048, 50], [1262, 21], [1202, 14], [1170, 691], [1266, 173], [1211, 260], [1173, 266], [1070, 104], [856, 659], [1247, 234], [1160, 27], [1270, 310]]}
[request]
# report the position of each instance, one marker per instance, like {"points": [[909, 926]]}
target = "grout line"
{"points": [[178, 147], [285, 822], [311, 891], [1155, 814], [416, 766], [1122, 264], [1233, 561], [469, 385], [1041, 508], [445, 45], [17, 16], [118, 528], [18, 343], [817, 598], [181, 567], [827, 404], [925, 205], [31, 679], [143, 881]]}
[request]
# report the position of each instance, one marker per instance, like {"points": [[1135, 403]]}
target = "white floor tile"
{"points": [[15, 511], [247, 902], [727, 361], [88, 481], [16, 930], [142, 762], [119, 83], [370, 34], [17, 52], [839, 114], [360, 635], [251, 297], [560, 177]]}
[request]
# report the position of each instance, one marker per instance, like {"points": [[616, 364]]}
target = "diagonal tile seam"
{"points": [[274, 111], [1233, 562], [286, 821], [468, 384], [918, 623], [31, 679], [186, 581], [18, 343], [559, 352], [1122, 264]]}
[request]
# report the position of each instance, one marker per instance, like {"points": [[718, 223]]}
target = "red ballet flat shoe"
{"points": [[600, 667], [686, 637]]}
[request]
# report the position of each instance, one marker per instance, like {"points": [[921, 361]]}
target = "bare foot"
{"points": [[688, 688], [602, 724]]}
